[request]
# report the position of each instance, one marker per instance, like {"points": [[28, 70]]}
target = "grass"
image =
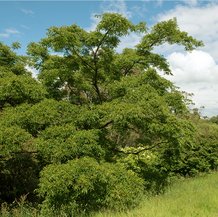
{"points": [[188, 198], [194, 197], [24, 211]]}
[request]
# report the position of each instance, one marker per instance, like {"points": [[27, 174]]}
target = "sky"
{"points": [[194, 72]]}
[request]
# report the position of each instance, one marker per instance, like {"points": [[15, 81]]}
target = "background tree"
{"points": [[214, 119]]}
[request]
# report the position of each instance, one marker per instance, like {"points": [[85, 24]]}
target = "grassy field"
{"points": [[188, 198]]}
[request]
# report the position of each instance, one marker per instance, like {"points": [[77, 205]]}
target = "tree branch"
{"points": [[101, 42], [95, 78], [144, 149], [107, 124], [81, 58], [95, 84], [127, 70]]}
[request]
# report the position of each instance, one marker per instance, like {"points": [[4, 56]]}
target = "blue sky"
{"points": [[31, 19], [27, 21], [196, 72]]}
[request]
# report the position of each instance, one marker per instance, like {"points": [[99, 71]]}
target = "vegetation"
{"points": [[98, 129], [184, 199]]}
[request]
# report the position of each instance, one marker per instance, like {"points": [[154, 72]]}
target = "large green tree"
{"points": [[101, 126], [122, 107]]}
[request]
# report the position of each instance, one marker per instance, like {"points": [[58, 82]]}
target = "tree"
{"points": [[125, 107], [18, 164], [109, 121], [16, 84], [214, 119]]}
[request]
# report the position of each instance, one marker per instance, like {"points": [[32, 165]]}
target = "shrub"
{"points": [[84, 185]]}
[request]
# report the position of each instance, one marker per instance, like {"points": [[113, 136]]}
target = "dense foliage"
{"points": [[98, 128]]}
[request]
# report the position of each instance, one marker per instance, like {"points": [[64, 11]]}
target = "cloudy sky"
{"points": [[195, 72]]}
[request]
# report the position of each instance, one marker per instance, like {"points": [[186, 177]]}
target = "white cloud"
{"points": [[139, 11], [196, 66], [116, 6], [12, 31], [4, 35], [191, 2], [24, 27], [94, 22], [33, 71], [196, 72], [200, 22], [129, 41], [27, 11], [8, 32]]}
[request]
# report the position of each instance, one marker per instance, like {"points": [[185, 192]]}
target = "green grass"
{"points": [[187, 198]]}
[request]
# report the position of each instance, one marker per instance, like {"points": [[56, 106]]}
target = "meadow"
{"points": [[186, 198]]}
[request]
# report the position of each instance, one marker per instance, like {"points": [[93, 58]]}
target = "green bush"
{"points": [[84, 185], [146, 165], [18, 177], [63, 143], [197, 153]]}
